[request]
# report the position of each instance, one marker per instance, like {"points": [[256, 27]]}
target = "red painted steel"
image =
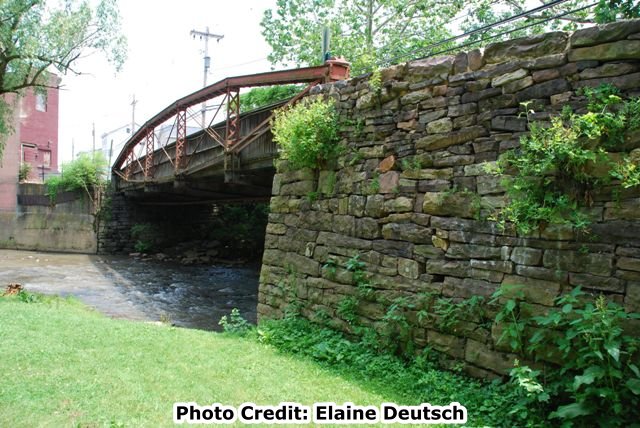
{"points": [[233, 116], [148, 160], [332, 70], [181, 138]]}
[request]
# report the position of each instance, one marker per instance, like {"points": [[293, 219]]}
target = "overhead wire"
{"points": [[486, 27]]}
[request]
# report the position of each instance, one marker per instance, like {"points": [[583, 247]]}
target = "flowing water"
{"points": [[124, 287]]}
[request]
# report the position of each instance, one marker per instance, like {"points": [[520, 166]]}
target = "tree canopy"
{"points": [[369, 33], [38, 36]]}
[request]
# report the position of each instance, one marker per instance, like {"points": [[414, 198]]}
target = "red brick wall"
{"points": [[40, 128]]}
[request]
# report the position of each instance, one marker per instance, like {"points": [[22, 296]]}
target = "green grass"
{"points": [[64, 365]]}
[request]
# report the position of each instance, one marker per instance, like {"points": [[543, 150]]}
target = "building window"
{"points": [[41, 102], [29, 153], [46, 158]]}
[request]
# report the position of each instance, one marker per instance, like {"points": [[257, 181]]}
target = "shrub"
{"points": [[307, 133], [25, 170], [235, 323], [83, 174], [598, 383], [558, 167]]}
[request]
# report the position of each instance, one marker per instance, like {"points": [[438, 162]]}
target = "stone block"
{"points": [[367, 228], [623, 49], [623, 210], [544, 75], [608, 70], [543, 90], [462, 109], [428, 117], [389, 181], [472, 251], [450, 345], [629, 263], [604, 33], [375, 206], [526, 256], [447, 267], [517, 85], [574, 261], [408, 268], [450, 204], [509, 77], [494, 265], [526, 47], [276, 229], [440, 126], [534, 290], [424, 69], [337, 240], [428, 251], [489, 184], [428, 174], [399, 205], [509, 123], [436, 142], [614, 285], [302, 264], [393, 248], [478, 353], [407, 232]]}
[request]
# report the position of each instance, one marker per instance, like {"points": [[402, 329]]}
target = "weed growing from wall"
{"points": [[557, 168], [307, 133]]}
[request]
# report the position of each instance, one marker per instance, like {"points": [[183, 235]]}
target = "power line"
{"points": [[479, 29], [513, 30]]}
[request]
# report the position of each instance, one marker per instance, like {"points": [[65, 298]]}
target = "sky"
{"points": [[164, 63]]}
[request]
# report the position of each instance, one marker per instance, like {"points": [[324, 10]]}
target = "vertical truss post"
{"points": [[181, 138], [148, 160], [129, 169], [233, 116]]}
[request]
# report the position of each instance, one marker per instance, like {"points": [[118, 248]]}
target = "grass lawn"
{"points": [[62, 364]]}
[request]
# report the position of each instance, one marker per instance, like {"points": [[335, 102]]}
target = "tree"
{"points": [[372, 33], [38, 36], [363, 31]]}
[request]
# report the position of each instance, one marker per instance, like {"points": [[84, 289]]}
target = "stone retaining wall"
{"points": [[417, 221]]}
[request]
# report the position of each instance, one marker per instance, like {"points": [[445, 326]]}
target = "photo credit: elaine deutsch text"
{"points": [[318, 413]]}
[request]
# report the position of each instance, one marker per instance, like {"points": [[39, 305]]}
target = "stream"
{"points": [[145, 290]]}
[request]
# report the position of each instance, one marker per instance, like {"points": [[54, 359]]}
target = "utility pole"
{"points": [[207, 61], [133, 113]]}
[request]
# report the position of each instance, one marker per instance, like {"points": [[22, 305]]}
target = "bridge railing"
{"points": [[165, 137]]}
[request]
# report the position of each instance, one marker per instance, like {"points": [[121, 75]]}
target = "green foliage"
{"points": [[374, 184], [347, 309], [450, 312], [413, 164], [557, 167], [307, 133], [146, 237], [598, 383], [412, 381], [37, 36], [362, 31], [25, 170], [375, 81], [240, 228], [235, 324], [260, 97], [370, 33], [85, 174]]}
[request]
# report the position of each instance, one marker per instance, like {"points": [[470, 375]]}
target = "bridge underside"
{"points": [[249, 185]]}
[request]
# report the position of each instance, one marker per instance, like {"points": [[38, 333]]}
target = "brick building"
{"points": [[34, 140]]}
